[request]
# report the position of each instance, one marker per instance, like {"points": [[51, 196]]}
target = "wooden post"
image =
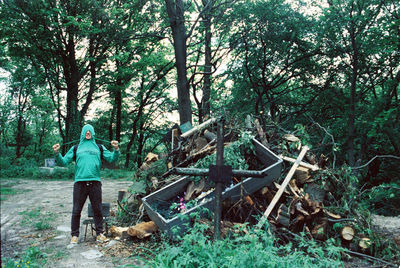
{"points": [[284, 184]]}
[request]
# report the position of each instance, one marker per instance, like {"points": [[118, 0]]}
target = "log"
{"points": [[194, 188], [200, 143], [285, 183], [143, 229], [347, 233], [210, 136], [199, 127], [150, 158], [302, 175], [364, 243], [118, 231]]}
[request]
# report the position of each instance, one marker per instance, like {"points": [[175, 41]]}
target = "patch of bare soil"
{"points": [[53, 199]]}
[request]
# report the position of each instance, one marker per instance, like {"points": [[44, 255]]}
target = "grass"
{"points": [[32, 257], [7, 190], [37, 219]]}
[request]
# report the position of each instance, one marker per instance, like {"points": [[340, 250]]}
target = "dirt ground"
{"points": [[54, 199]]}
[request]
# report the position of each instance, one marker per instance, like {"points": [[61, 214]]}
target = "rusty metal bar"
{"points": [[204, 172], [219, 185]]}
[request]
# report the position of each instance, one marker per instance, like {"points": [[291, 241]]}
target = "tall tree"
{"points": [[176, 15], [273, 56], [352, 28], [69, 40]]}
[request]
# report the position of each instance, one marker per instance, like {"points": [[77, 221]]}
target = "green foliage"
{"points": [[383, 199], [234, 154], [40, 220], [33, 257], [256, 248]]}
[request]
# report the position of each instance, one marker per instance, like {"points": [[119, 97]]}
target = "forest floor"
{"points": [[36, 202]]}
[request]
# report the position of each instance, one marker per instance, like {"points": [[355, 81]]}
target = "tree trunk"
{"points": [[353, 93], [205, 101], [175, 10]]}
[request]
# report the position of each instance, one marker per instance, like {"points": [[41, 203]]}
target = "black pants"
{"points": [[82, 190]]}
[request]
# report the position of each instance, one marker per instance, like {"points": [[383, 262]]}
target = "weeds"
{"points": [[37, 219], [256, 248], [32, 257]]}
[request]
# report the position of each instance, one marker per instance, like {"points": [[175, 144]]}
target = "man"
{"points": [[87, 158]]}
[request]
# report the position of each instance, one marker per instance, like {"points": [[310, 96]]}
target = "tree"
{"points": [[273, 58], [176, 15], [353, 30], [69, 40]]}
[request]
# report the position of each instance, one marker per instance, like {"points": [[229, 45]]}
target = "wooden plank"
{"points": [[303, 164], [285, 183]]}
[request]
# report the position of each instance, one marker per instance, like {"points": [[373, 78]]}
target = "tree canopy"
{"points": [[135, 68]]}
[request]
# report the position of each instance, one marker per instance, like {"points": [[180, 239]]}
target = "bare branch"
{"points": [[376, 156]]}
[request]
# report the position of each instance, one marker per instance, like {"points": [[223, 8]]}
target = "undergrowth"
{"points": [[242, 247]]}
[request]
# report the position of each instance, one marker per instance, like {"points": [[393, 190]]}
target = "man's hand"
{"points": [[115, 145], [56, 148]]}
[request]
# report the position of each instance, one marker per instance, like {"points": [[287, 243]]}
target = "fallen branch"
{"points": [[377, 156], [127, 212], [370, 257]]}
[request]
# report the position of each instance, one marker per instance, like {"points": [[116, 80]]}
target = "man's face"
{"points": [[88, 135]]}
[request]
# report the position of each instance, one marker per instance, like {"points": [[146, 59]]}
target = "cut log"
{"points": [[150, 158], [315, 192], [121, 232], [347, 233], [302, 174], [364, 243], [143, 229], [285, 183], [194, 188], [200, 143], [210, 136], [291, 138]]}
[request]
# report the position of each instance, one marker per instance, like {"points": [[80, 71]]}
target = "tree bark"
{"points": [[175, 10], [205, 100]]}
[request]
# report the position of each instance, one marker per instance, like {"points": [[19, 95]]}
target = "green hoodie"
{"points": [[88, 158]]}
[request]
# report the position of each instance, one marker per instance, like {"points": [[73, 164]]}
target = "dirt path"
{"points": [[53, 200]]}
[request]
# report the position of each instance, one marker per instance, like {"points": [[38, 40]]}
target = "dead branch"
{"points": [[370, 257], [376, 156]]}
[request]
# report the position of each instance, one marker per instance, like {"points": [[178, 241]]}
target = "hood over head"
{"points": [[86, 128]]}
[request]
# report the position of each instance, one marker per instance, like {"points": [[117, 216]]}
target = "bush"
{"points": [[256, 248]]}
